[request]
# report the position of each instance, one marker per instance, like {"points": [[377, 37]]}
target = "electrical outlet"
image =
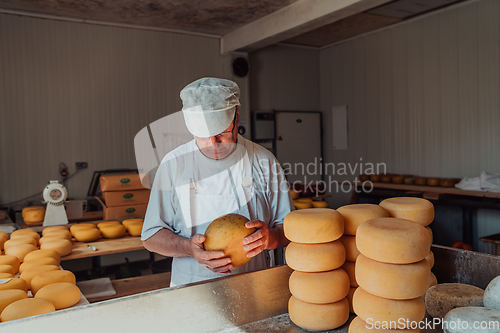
{"points": [[81, 165]]}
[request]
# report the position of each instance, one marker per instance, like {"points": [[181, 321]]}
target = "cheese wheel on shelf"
{"points": [[62, 246], [43, 279], [50, 238], [43, 254], [113, 231], [318, 317], [87, 235], [37, 262], [24, 233], [6, 275], [349, 298], [10, 296], [351, 251], [75, 227], [442, 298], [10, 260], [430, 259], [393, 240], [350, 268], [26, 308], [308, 226], [7, 269], [30, 273], [26, 209], [64, 234], [3, 238], [19, 241], [20, 251], [315, 257], [15, 283], [294, 194], [48, 230], [135, 229], [107, 223], [355, 215], [319, 287], [304, 200], [34, 216], [127, 222], [61, 294], [395, 281], [357, 325], [302, 205], [320, 204], [378, 309], [417, 210]]}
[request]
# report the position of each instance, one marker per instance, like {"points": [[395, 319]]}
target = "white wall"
{"points": [[75, 92]]}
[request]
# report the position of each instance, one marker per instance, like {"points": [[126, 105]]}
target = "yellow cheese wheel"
{"points": [[130, 221], [393, 240], [315, 257], [433, 280], [308, 226], [43, 279], [3, 238], [61, 294], [304, 200], [43, 254], [6, 275], [55, 236], [66, 234], [396, 281], [318, 317], [7, 269], [417, 210], [113, 231], [357, 325], [14, 283], [349, 298], [430, 259], [378, 309], [319, 287], [320, 204], [24, 233], [37, 262], [75, 227], [34, 216], [87, 235], [351, 251], [20, 240], [294, 194], [30, 273], [25, 209], [355, 215], [48, 230], [302, 205], [10, 260], [26, 308], [350, 268], [20, 251], [107, 223], [62, 246], [135, 229], [10, 296]]}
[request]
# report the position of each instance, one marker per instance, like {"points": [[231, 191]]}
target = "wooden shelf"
{"points": [[105, 246]]}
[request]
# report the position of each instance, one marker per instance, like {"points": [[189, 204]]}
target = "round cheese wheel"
{"points": [[20, 240], [87, 235], [113, 231], [24, 233], [127, 222], [318, 317], [395, 281], [430, 259], [349, 298], [350, 268], [433, 181], [107, 223], [492, 294], [43, 254], [30, 273], [320, 287], [34, 216], [48, 230], [7, 269], [315, 257], [356, 214], [472, 319], [378, 309], [25, 209], [294, 194], [62, 246], [75, 227], [302, 205], [351, 251], [357, 325], [420, 181], [10, 260], [55, 236], [308, 226], [10, 296], [442, 298], [65, 234], [135, 229], [15, 283], [304, 200], [375, 178], [320, 204], [61, 294], [6, 275], [433, 280], [43, 279], [37, 262], [3, 238], [417, 210], [393, 240], [21, 250], [26, 308]]}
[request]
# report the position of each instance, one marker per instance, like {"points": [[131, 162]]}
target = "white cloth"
{"points": [[485, 182], [270, 202]]}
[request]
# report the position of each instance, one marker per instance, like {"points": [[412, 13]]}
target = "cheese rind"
{"points": [[349, 298], [75, 227], [107, 224], [430, 259], [20, 251], [472, 319], [315, 257], [61, 294], [10, 296], [127, 222], [355, 215], [37, 262], [318, 317], [48, 230], [15, 283], [492, 294], [350, 268], [113, 231], [302, 205], [26, 308], [442, 298], [30, 273], [319, 287], [65, 234], [351, 250], [10, 260], [7, 269], [320, 204], [62, 246], [417, 210], [43, 254], [19, 241], [3, 238], [24, 233], [135, 229], [43, 279], [87, 235], [357, 325], [311, 226]]}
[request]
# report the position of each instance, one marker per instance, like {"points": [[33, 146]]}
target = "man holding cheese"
{"points": [[217, 173]]}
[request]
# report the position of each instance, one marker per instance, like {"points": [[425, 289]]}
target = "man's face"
{"points": [[221, 145]]}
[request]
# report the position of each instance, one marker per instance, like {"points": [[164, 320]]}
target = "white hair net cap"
{"points": [[209, 105]]}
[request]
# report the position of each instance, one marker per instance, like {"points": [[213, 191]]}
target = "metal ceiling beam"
{"points": [[300, 17]]}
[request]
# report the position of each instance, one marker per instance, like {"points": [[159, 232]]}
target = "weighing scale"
{"points": [[55, 194]]}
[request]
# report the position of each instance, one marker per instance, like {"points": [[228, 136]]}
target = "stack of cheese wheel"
{"points": [[133, 226], [354, 216], [9, 266], [392, 270], [21, 242], [303, 203], [85, 232], [57, 238], [318, 285], [112, 229]]}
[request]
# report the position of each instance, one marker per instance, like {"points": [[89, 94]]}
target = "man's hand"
{"points": [[212, 260], [260, 240]]}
